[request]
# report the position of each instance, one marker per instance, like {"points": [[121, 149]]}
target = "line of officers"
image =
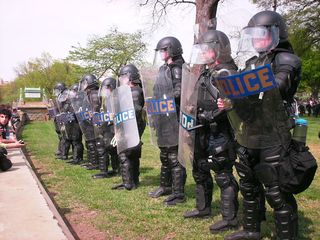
{"points": [[259, 139]]}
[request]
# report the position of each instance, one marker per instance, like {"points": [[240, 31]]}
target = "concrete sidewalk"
{"points": [[26, 211]]}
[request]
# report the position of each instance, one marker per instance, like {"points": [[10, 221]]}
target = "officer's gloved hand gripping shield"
{"points": [[161, 106]]}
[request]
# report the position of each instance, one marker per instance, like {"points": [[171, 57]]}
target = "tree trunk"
{"points": [[206, 10]]}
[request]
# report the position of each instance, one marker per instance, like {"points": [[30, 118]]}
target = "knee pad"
{"points": [[225, 180], [123, 158], [173, 159], [164, 158], [274, 197], [249, 190], [91, 145], [244, 171], [200, 177]]}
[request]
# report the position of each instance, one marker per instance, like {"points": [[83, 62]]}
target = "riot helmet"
{"points": [[107, 86], [59, 88], [213, 46], [265, 30], [73, 90], [169, 47], [129, 73], [88, 81]]}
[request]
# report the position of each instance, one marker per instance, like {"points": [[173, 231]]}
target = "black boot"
{"points": [[228, 203], [103, 161], [203, 200], [126, 173], [165, 183], [115, 165], [178, 181], [91, 155], [251, 222], [136, 170], [286, 221]]}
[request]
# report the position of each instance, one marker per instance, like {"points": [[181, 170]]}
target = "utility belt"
{"points": [[63, 118]]}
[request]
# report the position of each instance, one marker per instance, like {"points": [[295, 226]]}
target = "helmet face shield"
{"points": [[161, 56], [83, 85], [56, 92], [63, 96], [124, 79], [260, 38], [105, 91], [205, 53], [72, 93]]}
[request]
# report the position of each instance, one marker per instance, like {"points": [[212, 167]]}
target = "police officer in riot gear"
{"points": [[105, 150], [130, 158], [214, 141], [57, 90], [89, 84], [74, 137], [264, 130], [173, 174]]}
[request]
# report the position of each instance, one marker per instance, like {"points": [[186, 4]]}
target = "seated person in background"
{"points": [[5, 116], [15, 119]]}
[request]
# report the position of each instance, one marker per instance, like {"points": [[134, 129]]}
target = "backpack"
{"points": [[298, 168]]}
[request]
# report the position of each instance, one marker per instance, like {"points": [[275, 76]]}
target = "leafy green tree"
{"points": [[109, 52], [311, 73], [45, 72]]}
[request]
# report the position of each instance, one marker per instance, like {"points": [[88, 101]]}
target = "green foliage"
{"points": [[132, 214], [9, 93], [44, 72], [109, 52]]}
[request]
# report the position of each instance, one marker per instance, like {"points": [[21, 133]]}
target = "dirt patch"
{"points": [[81, 220], [78, 217]]}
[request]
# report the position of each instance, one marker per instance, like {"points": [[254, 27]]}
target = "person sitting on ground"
{"points": [[5, 116]]}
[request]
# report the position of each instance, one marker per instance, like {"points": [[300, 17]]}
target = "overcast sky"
{"points": [[31, 27]]}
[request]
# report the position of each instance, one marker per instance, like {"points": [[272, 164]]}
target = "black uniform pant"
{"points": [[258, 177]]}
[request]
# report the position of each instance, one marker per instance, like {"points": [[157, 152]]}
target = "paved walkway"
{"points": [[26, 211]]}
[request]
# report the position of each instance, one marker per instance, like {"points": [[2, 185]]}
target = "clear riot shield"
{"points": [[161, 107], [103, 120], [257, 107], [83, 111], [52, 107], [188, 116], [125, 123], [65, 116]]}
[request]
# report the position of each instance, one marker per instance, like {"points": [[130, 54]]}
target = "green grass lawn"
{"points": [[132, 214]]}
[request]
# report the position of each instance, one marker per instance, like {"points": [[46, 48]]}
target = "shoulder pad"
{"points": [[285, 58], [177, 72]]}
